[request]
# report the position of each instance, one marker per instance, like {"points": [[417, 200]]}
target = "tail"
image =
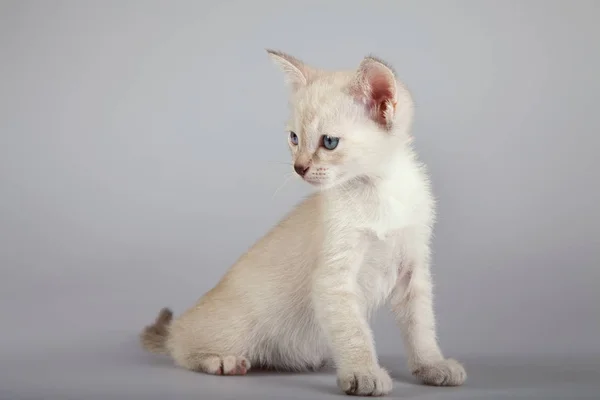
{"points": [[154, 337]]}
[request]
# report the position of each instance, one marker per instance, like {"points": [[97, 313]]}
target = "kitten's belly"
{"points": [[379, 271]]}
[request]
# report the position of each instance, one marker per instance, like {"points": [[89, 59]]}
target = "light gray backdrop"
{"points": [[142, 144]]}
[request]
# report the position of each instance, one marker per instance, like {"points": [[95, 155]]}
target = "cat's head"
{"points": [[344, 124]]}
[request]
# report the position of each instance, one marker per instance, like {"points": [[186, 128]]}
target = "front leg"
{"points": [[412, 304], [342, 316]]}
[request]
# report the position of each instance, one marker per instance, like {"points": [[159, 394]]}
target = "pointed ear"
{"points": [[297, 74], [375, 87]]}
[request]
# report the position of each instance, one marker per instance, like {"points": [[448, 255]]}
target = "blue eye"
{"points": [[294, 138], [330, 142]]}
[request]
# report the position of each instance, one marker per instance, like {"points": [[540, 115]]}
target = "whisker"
{"points": [[286, 179]]}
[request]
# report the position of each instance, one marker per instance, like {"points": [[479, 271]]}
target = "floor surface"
{"points": [[119, 369]]}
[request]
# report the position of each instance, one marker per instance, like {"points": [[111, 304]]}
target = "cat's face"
{"points": [[344, 125]]}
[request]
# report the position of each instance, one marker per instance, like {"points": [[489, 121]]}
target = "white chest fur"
{"points": [[383, 213], [381, 209]]}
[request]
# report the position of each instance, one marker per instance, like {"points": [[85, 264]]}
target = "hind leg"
{"points": [[211, 337], [215, 364]]}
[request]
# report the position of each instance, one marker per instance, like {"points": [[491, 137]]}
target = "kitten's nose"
{"points": [[301, 169]]}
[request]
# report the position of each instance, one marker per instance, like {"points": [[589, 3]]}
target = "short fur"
{"points": [[302, 295]]}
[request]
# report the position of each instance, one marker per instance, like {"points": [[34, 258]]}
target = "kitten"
{"points": [[304, 292]]}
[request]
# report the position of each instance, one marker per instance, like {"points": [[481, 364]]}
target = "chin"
{"points": [[325, 185], [330, 182], [320, 184]]}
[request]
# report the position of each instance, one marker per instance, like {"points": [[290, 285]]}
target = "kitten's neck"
{"points": [[390, 179], [380, 202], [392, 170]]}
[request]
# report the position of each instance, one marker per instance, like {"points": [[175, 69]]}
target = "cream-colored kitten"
{"points": [[304, 292]]}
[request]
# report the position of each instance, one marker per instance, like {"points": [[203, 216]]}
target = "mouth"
{"points": [[321, 184], [324, 184], [313, 181]]}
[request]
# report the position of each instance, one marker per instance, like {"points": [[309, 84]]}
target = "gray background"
{"points": [[142, 148]]}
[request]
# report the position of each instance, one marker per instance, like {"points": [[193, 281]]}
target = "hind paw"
{"points": [[226, 365]]}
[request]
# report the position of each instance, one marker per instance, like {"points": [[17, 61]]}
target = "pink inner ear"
{"points": [[381, 89], [382, 96], [377, 90]]}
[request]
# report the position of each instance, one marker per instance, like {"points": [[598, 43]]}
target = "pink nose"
{"points": [[301, 169]]}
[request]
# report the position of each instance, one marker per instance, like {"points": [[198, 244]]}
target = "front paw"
{"points": [[373, 382], [447, 372]]}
